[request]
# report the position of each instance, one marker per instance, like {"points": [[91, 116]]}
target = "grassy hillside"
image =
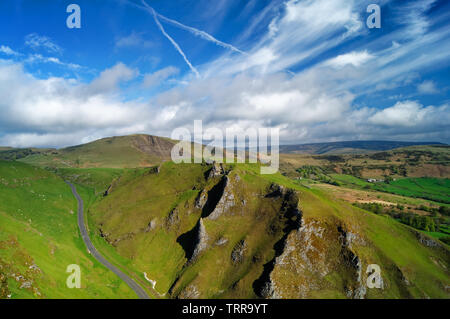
{"points": [[112, 152], [194, 231], [39, 238]]}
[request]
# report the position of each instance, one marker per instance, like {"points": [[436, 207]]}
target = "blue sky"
{"points": [[312, 68]]}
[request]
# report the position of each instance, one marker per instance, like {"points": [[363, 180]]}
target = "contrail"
{"points": [[200, 33], [177, 47]]}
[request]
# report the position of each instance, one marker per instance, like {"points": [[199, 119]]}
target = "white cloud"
{"points": [[57, 111], [133, 40], [7, 50], [109, 79], [410, 114], [36, 41], [353, 58], [254, 90], [159, 76], [38, 58], [427, 87]]}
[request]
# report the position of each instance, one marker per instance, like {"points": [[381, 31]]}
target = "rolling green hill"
{"points": [[39, 238], [213, 231], [196, 231], [112, 152]]}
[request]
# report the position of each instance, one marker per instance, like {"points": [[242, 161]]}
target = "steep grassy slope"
{"points": [[194, 231], [39, 238], [112, 152]]}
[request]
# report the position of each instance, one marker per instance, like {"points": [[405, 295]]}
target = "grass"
{"points": [[428, 188], [113, 152], [432, 189], [38, 226], [127, 211]]}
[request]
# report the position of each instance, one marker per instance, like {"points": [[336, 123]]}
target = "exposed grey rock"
{"points": [[173, 218], [237, 255], [151, 225], [357, 290], [221, 241], [360, 291], [26, 285], [190, 292], [427, 241], [202, 240], [35, 268], [216, 170], [225, 202], [201, 199]]}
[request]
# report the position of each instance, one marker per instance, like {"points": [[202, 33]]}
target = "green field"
{"points": [[434, 189], [39, 238]]}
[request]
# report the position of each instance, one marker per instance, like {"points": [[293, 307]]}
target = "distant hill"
{"points": [[142, 150], [114, 152], [348, 147]]}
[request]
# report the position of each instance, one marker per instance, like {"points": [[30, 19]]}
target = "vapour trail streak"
{"points": [[177, 47], [202, 34]]}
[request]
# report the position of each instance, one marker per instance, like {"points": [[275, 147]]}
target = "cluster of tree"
{"points": [[311, 171], [399, 170], [425, 223], [371, 207], [15, 154], [318, 173], [443, 210], [380, 156], [429, 223], [352, 170]]}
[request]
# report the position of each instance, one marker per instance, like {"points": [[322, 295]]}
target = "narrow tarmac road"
{"points": [[130, 282]]}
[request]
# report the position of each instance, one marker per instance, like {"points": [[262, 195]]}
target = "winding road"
{"points": [[130, 282]]}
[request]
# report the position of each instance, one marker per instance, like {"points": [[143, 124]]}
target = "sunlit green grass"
{"points": [[38, 214]]}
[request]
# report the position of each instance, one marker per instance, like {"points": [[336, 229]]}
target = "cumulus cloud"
{"points": [[411, 114], [134, 39], [159, 76], [258, 89], [53, 109], [353, 58], [109, 79]]}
